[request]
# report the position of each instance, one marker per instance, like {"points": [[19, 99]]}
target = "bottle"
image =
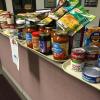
{"points": [[20, 34], [45, 43], [53, 33], [41, 28], [35, 40], [60, 46], [48, 30], [29, 40]]}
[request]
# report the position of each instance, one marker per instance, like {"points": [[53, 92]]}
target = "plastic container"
{"points": [[35, 40]]}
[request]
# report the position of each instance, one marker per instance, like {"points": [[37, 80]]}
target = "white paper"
{"points": [[14, 49]]}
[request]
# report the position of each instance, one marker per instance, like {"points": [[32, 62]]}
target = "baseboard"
{"points": [[15, 85]]}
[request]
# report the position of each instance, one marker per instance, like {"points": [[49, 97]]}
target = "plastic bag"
{"points": [[66, 7], [74, 20], [46, 21]]}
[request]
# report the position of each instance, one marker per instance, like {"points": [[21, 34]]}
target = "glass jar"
{"points": [[29, 40], [31, 28], [53, 33], [35, 40], [45, 43], [60, 46], [48, 30], [21, 33], [41, 28]]}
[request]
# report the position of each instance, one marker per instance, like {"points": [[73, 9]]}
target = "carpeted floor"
{"points": [[6, 91]]}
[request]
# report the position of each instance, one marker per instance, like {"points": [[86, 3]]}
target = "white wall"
{"points": [[95, 11], [9, 5]]}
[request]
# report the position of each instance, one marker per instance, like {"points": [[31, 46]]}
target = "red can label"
{"points": [[78, 54]]}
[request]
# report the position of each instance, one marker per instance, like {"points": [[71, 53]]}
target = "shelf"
{"points": [[65, 66], [68, 69]]}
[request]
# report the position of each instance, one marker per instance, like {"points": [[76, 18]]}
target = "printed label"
{"points": [[43, 46], [35, 43], [60, 50]]}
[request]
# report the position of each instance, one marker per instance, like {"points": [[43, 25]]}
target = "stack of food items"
{"points": [[71, 19], [6, 20], [7, 24], [87, 58]]}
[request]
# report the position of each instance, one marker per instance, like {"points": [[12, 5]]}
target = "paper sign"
{"points": [[14, 49]]}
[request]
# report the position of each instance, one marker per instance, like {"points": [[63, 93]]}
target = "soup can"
{"points": [[91, 55], [91, 74], [78, 58], [78, 54]]}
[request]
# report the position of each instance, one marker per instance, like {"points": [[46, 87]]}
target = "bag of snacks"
{"points": [[46, 21], [64, 8], [74, 20]]}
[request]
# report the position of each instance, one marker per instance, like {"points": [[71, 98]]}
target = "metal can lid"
{"points": [[78, 50], [92, 71], [90, 49]]}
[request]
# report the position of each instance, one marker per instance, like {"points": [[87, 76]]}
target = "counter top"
{"points": [[67, 64]]}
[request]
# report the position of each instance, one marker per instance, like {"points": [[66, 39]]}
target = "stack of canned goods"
{"points": [[78, 59], [91, 55]]}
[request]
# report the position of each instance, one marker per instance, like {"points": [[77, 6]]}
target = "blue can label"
{"points": [[91, 79]]}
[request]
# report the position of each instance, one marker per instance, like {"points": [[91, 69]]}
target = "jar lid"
{"points": [[92, 71], [35, 33]]}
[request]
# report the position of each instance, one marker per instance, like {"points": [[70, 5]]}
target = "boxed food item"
{"points": [[92, 36]]}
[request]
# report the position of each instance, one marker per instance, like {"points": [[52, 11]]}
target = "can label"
{"points": [[90, 79], [35, 43], [77, 66], [78, 54], [43, 46]]}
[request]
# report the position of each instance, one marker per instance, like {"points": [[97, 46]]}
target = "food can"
{"points": [[91, 74], [78, 58], [78, 67], [91, 55], [78, 54]]}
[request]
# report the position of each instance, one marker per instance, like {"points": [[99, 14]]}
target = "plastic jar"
{"points": [[45, 43], [35, 40], [60, 46], [29, 40]]}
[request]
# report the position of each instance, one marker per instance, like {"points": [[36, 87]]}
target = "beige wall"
{"points": [[39, 4], [95, 11], [9, 5]]}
